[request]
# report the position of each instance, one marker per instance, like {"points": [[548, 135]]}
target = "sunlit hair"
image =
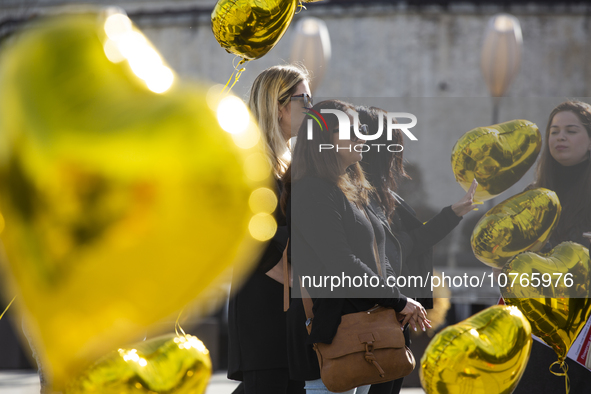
{"points": [[271, 90], [308, 161], [575, 206], [383, 169]]}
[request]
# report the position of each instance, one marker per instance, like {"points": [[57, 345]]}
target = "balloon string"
{"points": [[177, 325], [564, 366], [238, 74], [228, 82], [7, 307]]}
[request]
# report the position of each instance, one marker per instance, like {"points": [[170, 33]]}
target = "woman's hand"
{"points": [[415, 315], [466, 204], [496, 273]]}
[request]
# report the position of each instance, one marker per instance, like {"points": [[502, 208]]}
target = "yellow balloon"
{"points": [[251, 28], [497, 156], [485, 354], [167, 364], [552, 291], [520, 223], [121, 204]]}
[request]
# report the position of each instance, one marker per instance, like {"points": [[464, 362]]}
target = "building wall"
{"points": [[390, 50]]}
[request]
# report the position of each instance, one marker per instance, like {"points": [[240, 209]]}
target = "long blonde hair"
{"points": [[272, 89]]}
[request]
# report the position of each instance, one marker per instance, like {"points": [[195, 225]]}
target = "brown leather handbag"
{"points": [[368, 348]]}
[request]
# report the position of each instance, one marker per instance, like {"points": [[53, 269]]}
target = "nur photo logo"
{"points": [[345, 129]]}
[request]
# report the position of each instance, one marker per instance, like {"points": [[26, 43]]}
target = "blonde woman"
{"points": [[257, 329]]}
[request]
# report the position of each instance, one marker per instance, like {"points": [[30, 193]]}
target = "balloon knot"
{"points": [[564, 366], [301, 7]]}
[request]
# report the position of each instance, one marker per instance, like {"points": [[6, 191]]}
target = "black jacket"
{"points": [[419, 260], [330, 236], [536, 377], [256, 321]]}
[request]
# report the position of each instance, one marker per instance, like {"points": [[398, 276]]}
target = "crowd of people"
{"points": [[341, 210], [340, 214]]}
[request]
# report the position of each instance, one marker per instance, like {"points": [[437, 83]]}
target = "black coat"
{"points": [[536, 377], [411, 243], [330, 236], [419, 260], [256, 321]]}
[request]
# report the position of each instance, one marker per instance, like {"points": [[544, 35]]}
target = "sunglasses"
{"points": [[308, 102], [363, 129]]}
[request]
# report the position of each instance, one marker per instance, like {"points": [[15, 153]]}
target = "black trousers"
{"points": [[392, 387], [537, 378], [269, 381]]}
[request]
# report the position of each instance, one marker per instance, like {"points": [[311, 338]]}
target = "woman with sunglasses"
{"points": [[409, 242], [257, 331], [333, 233]]}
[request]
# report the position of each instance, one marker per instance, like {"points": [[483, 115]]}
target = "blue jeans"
{"points": [[317, 387]]}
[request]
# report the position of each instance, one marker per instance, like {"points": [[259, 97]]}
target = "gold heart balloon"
{"points": [[497, 156], [484, 354], [124, 195], [251, 28], [167, 364], [522, 222], [552, 291]]}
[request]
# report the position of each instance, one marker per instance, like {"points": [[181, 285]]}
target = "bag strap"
{"points": [[308, 304], [306, 300], [285, 279], [377, 257]]}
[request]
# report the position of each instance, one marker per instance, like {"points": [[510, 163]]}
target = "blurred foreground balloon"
{"points": [[552, 291], [167, 364], [497, 156], [522, 222], [485, 354], [251, 28], [123, 195]]}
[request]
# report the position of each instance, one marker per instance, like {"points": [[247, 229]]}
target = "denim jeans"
{"points": [[317, 387]]}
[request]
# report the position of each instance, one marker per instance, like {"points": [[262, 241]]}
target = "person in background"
{"points": [[409, 242], [335, 234], [257, 330], [565, 168]]}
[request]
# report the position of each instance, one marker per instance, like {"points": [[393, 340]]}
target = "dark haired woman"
{"points": [[256, 321], [332, 234], [409, 242], [565, 168]]}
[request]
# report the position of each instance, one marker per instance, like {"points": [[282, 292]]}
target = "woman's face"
{"points": [[292, 115], [346, 153], [568, 141]]}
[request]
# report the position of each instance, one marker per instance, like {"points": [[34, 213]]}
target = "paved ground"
{"points": [[28, 383]]}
